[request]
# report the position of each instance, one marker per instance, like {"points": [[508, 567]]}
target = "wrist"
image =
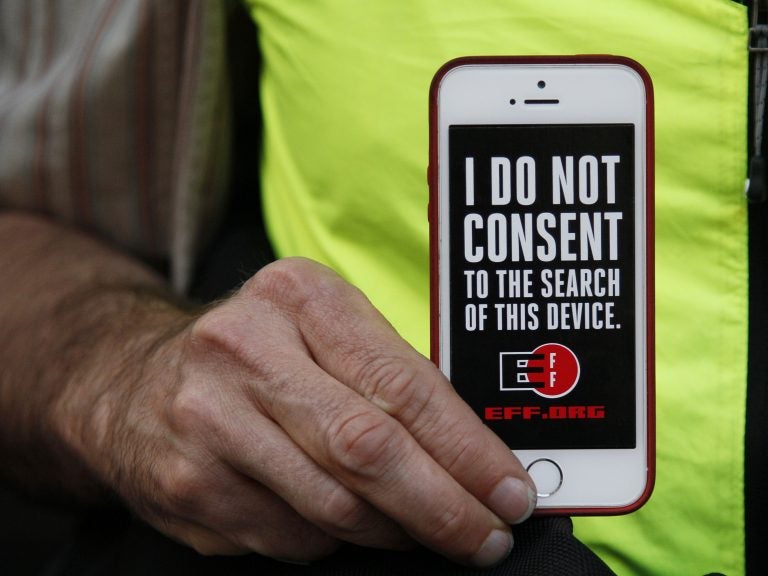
{"points": [[122, 350]]}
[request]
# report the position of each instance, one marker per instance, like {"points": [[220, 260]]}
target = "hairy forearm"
{"points": [[76, 320]]}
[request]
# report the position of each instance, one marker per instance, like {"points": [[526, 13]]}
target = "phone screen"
{"points": [[543, 328]]}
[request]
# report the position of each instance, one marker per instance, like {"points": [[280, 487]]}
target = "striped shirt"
{"points": [[114, 118]]}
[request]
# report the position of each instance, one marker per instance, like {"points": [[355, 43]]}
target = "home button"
{"points": [[547, 475]]}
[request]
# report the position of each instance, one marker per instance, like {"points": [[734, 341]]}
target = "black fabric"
{"points": [[756, 439], [241, 246], [123, 547], [756, 442], [32, 532]]}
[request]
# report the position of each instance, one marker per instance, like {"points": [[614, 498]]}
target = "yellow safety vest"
{"points": [[344, 95]]}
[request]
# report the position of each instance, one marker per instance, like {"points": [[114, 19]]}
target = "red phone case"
{"points": [[433, 211]]}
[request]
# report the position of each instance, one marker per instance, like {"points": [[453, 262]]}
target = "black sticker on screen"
{"points": [[542, 293]]}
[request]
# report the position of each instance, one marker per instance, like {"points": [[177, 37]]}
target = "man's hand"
{"points": [[284, 420], [292, 415]]}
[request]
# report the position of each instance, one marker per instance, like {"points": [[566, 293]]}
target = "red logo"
{"points": [[551, 370]]}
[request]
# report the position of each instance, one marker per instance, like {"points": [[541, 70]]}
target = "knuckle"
{"points": [[462, 453], [344, 512], [450, 526], [227, 338], [184, 487], [365, 444], [213, 338], [219, 331], [396, 385], [301, 289], [290, 282], [191, 411]]}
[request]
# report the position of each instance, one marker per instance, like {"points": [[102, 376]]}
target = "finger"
{"points": [[270, 531], [375, 457], [216, 510], [355, 344], [258, 448], [315, 494], [263, 522]]}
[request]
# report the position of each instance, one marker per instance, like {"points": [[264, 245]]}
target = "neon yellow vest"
{"points": [[344, 97]]}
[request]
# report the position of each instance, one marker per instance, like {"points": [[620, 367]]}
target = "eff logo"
{"points": [[551, 370]]}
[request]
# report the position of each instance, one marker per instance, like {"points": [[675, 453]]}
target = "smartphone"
{"points": [[541, 241]]}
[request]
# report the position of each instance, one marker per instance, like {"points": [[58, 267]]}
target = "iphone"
{"points": [[541, 234]]}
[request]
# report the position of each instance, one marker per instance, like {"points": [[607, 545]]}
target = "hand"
{"points": [[291, 417]]}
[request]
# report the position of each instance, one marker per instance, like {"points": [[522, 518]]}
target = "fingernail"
{"points": [[513, 500], [496, 548]]}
